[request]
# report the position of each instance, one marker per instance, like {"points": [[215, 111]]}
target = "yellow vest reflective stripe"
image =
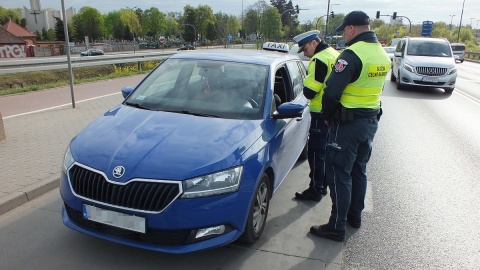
{"points": [[327, 56], [365, 91]]}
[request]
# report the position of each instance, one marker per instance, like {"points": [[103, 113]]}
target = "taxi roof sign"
{"points": [[274, 46]]}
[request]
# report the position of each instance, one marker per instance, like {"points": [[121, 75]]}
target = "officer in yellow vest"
{"points": [[351, 105], [322, 58]]}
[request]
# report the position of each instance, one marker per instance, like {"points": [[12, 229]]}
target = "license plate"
{"points": [[429, 79], [112, 218]]}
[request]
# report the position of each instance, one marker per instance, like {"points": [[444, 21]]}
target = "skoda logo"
{"points": [[118, 171]]}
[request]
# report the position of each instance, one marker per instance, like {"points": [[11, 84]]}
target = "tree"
{"points": [[154, 22], [203, 17], [269, 23], [172, 25], [189, 28], [88, 22], [59, 30], [130, 19], [13, 14], [114, 26]]}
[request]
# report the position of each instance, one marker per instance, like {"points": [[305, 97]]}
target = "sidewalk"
{"points": [[31, 156]]}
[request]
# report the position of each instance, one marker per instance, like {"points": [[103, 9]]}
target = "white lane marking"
{"points": [[368, 199], [59, 106], [467, 96]]}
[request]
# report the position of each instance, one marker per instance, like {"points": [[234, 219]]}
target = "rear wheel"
{"points": [[257, 217]]}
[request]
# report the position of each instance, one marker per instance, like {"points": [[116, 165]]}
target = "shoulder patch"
{"points": [[340, 65]]}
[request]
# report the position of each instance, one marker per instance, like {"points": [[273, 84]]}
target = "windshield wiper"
{"points": [[137, 105], [195, 113]]}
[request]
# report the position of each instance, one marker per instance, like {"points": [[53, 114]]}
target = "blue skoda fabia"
{"points": [[190, 159]]}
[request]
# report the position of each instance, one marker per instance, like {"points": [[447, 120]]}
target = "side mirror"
{"points": [[398, 54], [126, 91], [289, 110]]}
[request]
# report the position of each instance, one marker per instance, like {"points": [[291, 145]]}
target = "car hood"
{"points": [[430, 61], [162, 145]]}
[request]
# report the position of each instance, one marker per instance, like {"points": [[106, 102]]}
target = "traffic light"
{"points": [[297, 9], [332, 14], [378, 15], [394, 15]]}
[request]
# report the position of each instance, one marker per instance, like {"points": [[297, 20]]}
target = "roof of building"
{"points": [[9, 38], [17, 30]]}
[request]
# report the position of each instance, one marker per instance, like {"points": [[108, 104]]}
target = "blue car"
{"points": [[192, 156]]}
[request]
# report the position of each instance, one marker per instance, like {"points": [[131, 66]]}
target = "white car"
{"points": [[390, 51], [423, 61]]}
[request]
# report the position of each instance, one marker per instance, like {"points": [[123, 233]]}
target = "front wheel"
{"points": [[448, 90], [392, 77], [257, 217], [399, 84]]}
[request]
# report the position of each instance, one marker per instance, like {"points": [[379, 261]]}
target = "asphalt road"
{"points": [[421, 210]]}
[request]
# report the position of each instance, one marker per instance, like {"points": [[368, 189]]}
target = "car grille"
{"points": [[428, 83], [138, 195], [431, 71], [152, 236]]}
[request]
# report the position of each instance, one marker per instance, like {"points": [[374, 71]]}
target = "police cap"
{"points": [[303, 38]]}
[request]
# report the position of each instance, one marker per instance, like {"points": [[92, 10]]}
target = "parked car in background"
{"points": [[422, 61], [92, 52], [192, 156], [458, 50], [390, 51], [186, 48]]}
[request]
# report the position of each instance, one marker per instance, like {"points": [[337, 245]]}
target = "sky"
{"points": [[415, 10]]}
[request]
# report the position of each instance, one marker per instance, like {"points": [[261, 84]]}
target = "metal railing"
{"points": [[472, 55], [36, 64]]}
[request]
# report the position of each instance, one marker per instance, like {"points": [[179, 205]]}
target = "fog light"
{"points": [[210, 231]]}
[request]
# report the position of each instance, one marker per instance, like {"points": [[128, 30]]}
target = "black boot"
{"points": [[324, 231], [309, 194]]}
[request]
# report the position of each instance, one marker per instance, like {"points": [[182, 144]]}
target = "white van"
{"points": [[426, 62], [458, 50]]}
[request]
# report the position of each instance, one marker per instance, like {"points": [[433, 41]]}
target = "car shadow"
{"points": [[415, 92]]}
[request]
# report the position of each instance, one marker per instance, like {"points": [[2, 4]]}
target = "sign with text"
{"points": [[427, 27]]}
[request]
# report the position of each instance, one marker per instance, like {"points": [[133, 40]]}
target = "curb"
{"points": [[28, 194]]}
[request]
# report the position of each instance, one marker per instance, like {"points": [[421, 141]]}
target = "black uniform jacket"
{"points": [[338, 80]]}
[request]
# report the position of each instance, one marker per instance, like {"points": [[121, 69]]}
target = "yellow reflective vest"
{"points": [[327, 56], [365, 91]]}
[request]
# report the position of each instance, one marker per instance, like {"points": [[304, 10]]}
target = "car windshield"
{"points": [[429, 48], [204, 88]]}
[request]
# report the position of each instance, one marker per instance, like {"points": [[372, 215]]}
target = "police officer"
{"points": [[322, 58], [351, 105]]}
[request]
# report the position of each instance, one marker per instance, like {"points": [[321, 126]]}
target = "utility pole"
{"points": [[460, 26]]}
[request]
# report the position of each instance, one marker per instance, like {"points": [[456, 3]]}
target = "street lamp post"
{"points": [[328, 12], [471, 22], [451, 20], [280, 22], [195, 32], [133, 31]]}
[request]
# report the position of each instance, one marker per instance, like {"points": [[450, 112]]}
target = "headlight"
{"points": [[409, 68], [67, 159], [213, 184], [452, 71]]}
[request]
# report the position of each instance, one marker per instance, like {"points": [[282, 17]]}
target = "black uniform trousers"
{"points": [[316, 152], [348, 151]]}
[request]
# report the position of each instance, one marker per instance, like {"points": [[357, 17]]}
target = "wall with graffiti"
{"points": [[14, 51]]}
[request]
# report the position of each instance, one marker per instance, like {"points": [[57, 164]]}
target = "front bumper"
{"points": [[173, 230], [409, 78]]}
